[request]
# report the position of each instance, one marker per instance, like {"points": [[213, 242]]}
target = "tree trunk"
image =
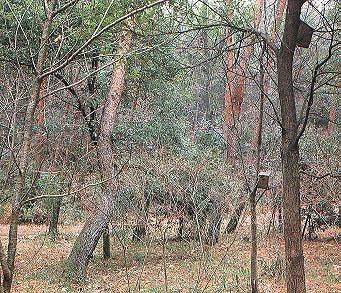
{"points": [[332, 115], [5, 272], [295, 277], [53, 223], [278, 17], [87, 240], [202, 74], [95, 226], [280, 218], [213, 229], [235, 83], [202, 79], [25, 150], [253, 226], [180, 231], [228, 115], [232, 224], [106, 243], [41, 138]]}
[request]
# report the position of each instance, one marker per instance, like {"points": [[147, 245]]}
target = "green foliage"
{"points": [[71, 213], [314, 142], [274, 267], [19, 24], [48, 183], [211, 139], [34, 213], [154, 132]]}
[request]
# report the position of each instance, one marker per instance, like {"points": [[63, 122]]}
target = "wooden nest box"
{"points": [[263, 180], [304, 35]]}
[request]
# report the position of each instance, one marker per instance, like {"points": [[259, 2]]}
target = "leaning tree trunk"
{"points": [[295, 277], [88, 238], [233, 223], [97, 223]]}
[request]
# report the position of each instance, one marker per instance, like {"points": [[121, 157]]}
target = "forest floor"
{"points": [[185, 266]]}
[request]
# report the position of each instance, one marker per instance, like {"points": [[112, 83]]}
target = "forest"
{"points": [[170, 146]]}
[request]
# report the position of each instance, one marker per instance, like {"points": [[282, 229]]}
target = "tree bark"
{"points": [[295, 277], [280, 218], [253, 226], [25, 151], [53, 223], [332, 115], [213, 228], [106, 243], [236, 82], [228, 115], [232, 224], [97, 223]]}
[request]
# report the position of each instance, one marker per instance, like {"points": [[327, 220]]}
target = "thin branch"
{"points": [[95, 36], [321, 176], [63, 8], [312, 86], [78, 190], [250, 30]]}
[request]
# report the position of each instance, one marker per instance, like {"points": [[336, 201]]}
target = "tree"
{"points": [[201, 73], [295, 277], [51, 10], [25, 152], [101, 217], [229, 111]]}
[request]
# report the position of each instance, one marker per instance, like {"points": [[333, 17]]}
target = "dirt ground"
{"points": [[154, 266]]}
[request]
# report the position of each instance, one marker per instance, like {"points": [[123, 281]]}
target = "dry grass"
{"points": [[186, 266]]}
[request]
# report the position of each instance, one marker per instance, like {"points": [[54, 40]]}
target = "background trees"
{"points": [[126, 113]]}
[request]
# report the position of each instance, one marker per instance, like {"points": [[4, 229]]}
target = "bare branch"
{"points": [[63, 8], [80, 189], [95, 36], [312, 87]]}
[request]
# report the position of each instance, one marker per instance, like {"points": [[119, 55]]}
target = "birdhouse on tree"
{"points": [[304, 35], [263, 180]]}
